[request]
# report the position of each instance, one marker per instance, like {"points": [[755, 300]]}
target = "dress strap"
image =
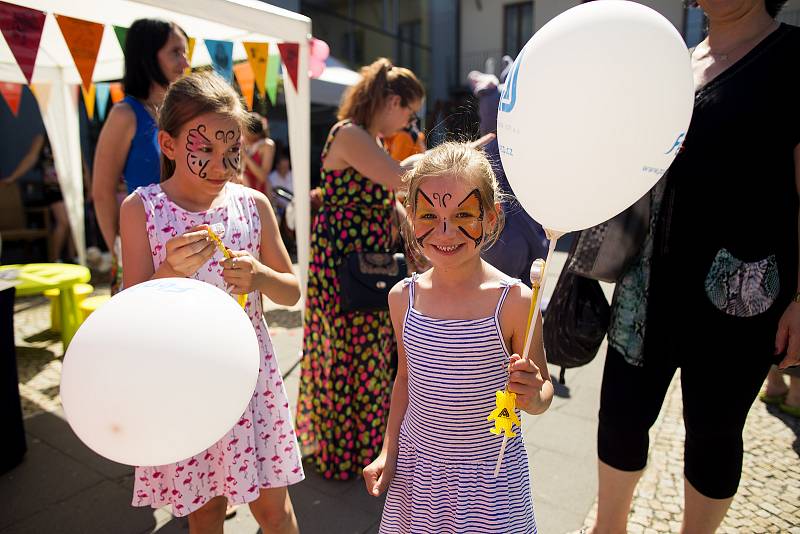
{"points": [[331, 135], [507, 285], [411, 282]]}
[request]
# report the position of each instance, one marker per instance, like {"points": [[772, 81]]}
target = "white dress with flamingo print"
{"points": [[261, 450]]}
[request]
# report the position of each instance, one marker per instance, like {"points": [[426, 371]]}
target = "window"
{"points": [[517, 27], [409, 36], [694, 26]]}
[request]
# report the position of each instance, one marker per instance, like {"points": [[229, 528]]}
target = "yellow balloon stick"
{"points": [[242, 299]]}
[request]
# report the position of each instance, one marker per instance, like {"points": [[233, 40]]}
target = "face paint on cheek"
{"points": [[196, 160], [232, 157], [425, 219], [470, 217]]}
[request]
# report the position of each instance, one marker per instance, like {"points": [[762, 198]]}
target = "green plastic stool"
{"points": [[90, 304], [81, 292]]}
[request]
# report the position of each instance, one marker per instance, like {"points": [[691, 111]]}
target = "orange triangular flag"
{"points": [[246, 78], [12, 92], [290, 53], [189, 51], [88, 100], [258, 56], [41, 91], [83, 40], [117, 93]]}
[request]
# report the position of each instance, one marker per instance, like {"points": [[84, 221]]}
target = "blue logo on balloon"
{"points": [[509, 96], [677, 144]]}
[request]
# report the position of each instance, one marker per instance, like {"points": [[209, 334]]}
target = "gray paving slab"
{"points": [[46, 477]]}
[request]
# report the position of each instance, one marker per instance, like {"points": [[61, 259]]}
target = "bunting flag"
{"points": [[258, 55], [88, 100], [103, 92], [117, 92], [83, 40], [221, 53], [122, 34], [41, 91], [273, 64], [246, 78], [22, 28], [290, 53], [189, 52], [12, 92]]}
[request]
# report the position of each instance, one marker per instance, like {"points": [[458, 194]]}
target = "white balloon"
{"points": [[594, 110], [160, 372]]}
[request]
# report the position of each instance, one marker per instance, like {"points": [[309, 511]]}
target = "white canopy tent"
{"points": [[232, 20]]}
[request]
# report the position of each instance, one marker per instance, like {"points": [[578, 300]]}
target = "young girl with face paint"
{"points": [[460, 328], [165, 233]]}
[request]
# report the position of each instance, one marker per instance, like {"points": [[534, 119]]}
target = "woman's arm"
{"points": [[272, 273], [28, 160], [261, 170], [109, 163], [354, 147], [530, 378], [788, 336]]}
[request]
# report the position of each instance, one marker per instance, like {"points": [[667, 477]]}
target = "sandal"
{"points": [[230, 511], [771, 399], [794, 411]]}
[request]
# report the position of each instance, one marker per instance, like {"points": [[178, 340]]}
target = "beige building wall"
{"points": [[482, 25]]}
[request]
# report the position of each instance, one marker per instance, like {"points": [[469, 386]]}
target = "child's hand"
{"points": [[380, 473], [526, 381], [188, 252], [242, 272]]}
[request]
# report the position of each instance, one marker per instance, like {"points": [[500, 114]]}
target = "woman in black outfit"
{"points": [[715, 291]]}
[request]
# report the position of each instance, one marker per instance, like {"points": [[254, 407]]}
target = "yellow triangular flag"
{"points": [[88, 100], [41, 91], [257, 55], [189, 52]]}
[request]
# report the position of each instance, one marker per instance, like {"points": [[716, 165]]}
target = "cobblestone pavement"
{"points": [[769, 493]]}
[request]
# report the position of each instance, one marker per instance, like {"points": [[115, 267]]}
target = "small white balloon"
{"points": [[593, 112], [160, 372]]}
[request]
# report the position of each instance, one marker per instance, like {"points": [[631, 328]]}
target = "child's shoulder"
{"points": [[518, 293]]}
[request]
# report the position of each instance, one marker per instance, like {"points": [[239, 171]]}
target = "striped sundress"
{"points": [[445, 481]]}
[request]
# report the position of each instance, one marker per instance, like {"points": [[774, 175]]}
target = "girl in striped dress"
{"points": [[460, 327]]}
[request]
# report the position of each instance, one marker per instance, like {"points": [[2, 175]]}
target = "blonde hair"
{"points": [[194, 95], [379, 81], [467, 163]]}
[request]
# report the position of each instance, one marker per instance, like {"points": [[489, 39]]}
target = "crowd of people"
{"points": [[450, 330]]}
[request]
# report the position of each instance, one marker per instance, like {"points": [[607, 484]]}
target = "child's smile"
{"points": [[448, 216]]}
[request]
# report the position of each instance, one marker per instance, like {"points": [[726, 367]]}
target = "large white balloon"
{"points": [[160, 372], [594, 110]]}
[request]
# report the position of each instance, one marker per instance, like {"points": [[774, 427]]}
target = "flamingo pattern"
{"points": [[261, 449]]}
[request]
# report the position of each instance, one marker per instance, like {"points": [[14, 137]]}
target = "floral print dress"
{"points": [[346, 376], [261, 450]]}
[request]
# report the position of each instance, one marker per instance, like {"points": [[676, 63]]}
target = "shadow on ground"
{"points": [[63, 486]]}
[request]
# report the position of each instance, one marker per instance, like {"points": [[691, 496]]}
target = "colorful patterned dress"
{"points": [[261, 450], [346, 378]]}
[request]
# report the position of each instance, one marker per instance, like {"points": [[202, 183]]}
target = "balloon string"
{"points": [[537, 301]]}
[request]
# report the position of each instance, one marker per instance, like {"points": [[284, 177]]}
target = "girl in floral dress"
{"points": [[346, 375], [165, 234]]}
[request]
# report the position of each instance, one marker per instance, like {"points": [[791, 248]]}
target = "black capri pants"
{"points": [[718, 390]]}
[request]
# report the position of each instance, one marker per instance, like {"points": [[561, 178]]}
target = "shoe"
{"points": [[230, 511], [771, 399], [794, 411]]}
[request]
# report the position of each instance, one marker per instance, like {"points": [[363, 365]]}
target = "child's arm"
{"points": [[530, 379], [272, 273], [379, 473], [185, 253]]}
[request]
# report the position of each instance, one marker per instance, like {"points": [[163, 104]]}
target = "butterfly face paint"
{"points": [[230, 161], [432, 213], [198, 150]]}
